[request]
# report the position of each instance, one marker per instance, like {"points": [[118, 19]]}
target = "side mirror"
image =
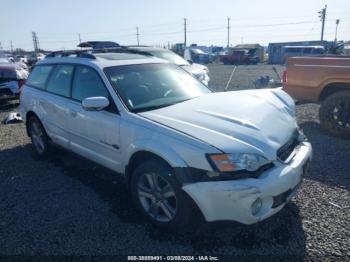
{"points": [[96, 103]]}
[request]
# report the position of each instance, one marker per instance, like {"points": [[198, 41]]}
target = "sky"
{"points": [[58, 23]]}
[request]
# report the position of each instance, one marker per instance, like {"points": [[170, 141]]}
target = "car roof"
{"points": [[99, 44], [304, 46], [105, 59], [146, 48]]}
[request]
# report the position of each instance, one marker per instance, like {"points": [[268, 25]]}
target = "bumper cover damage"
{"points": [[233, 200]]}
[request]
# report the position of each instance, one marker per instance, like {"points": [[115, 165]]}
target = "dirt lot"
{"points": [[66, 205]]}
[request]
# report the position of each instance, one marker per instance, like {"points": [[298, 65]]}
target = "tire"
{"points": [[39, 138], [172, 209], [335, 114]]}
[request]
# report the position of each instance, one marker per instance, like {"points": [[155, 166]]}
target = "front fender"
{"points": [[158, 148]]}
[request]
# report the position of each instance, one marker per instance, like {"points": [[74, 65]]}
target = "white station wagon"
{"points": [[235, 155]]}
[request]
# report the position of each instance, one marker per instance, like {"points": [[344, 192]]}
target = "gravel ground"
{"points": [[66, 205], [243, 77]]}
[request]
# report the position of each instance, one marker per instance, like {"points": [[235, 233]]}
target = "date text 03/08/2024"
{"points": [[173, 258]]}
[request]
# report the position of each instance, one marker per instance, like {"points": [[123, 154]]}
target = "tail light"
{"points": [[21, 83], [284, 77]]}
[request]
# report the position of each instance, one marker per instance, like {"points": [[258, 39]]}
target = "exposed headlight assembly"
{"points": [[236, 162]]}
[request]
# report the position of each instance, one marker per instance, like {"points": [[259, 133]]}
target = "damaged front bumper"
{"points": [[251, 200], [9, 89]]}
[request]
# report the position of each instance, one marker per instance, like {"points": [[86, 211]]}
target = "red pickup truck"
{"points": [[239, 57]]}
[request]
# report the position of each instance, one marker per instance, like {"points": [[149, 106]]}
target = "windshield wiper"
{"points": [[149, 108]]}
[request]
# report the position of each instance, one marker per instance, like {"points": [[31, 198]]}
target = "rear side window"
{"points": [[318, 51], [39, 75], [60, 80], [293, 50], [307, 50], [87, 83]]}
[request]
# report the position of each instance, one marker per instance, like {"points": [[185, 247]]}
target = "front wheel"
{"points": [[158, 196], [335, 114]]}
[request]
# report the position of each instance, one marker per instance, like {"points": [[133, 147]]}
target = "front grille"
{"points": [[287, 149]]}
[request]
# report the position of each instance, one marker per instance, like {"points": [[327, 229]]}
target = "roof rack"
{"points": [[66, 53], [89, 53]]}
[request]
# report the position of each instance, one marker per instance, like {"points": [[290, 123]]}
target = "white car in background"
{"points": [[235, 155], [201, 72], [35, 57]]}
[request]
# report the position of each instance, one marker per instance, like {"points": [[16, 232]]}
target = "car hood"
{"points": [[250, 121]]}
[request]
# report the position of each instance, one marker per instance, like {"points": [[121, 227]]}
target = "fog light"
{"points": [[256, 206]]}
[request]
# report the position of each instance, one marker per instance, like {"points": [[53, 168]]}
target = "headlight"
{"points": [[236, 162]]}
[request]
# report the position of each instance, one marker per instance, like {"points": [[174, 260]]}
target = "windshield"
{"points": [[169, 56], [150, 86]]}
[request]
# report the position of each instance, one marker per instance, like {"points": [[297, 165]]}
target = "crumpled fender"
{"points": [[158, 148]]}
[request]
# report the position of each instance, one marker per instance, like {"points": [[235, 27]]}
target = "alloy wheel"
{"points": [[157, 197]]}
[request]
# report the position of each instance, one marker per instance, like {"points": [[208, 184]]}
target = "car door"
{"points": [[93, 134], [53, 103]]}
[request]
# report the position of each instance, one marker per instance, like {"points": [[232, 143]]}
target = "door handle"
{"points": [[73, 113]]}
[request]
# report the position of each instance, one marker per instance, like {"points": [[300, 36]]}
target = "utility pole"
{"points": [[11, 47], [137, 35], [322, 16], [336, 30], [35, 42], [185, 31], [228, 32], [79, 38]]}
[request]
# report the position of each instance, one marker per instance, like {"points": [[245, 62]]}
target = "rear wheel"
{"points": [[335, 114], [158, 196], [38, 136]]}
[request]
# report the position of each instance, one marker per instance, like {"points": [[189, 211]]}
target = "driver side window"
{"points": [[87, 83]]}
